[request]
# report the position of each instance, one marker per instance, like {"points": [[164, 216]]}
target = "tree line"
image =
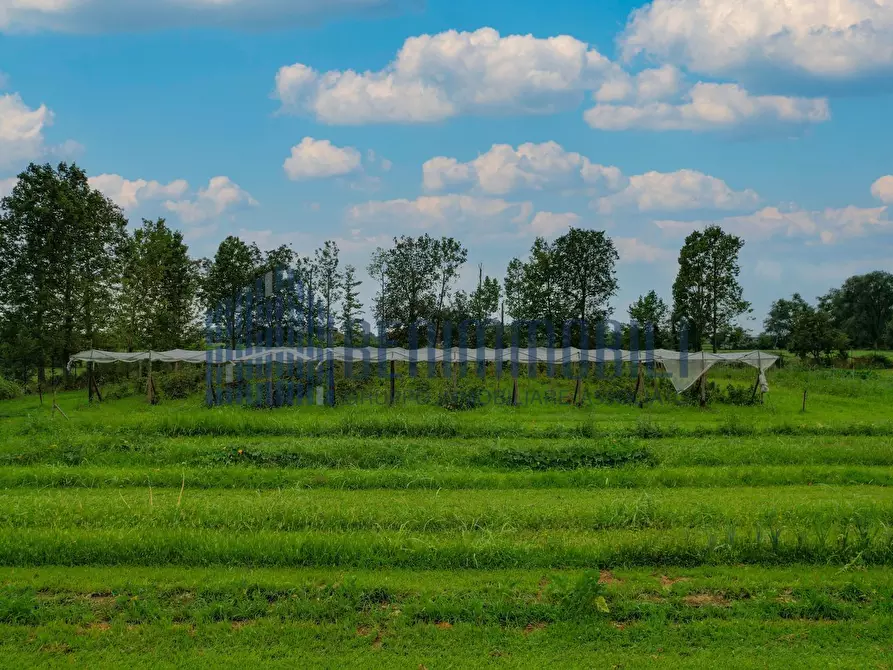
{"points": [[74, 275], [857, 315]]}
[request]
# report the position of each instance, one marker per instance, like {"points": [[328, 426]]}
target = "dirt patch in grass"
{"points": [[705, 600], [667, 582], [607, 577], [534, 627]]}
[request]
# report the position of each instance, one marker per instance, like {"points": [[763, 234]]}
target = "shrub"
{"points": [[180, 385], [9, 390]]}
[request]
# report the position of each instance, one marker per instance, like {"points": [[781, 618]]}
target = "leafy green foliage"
{"points": [[706, 294], [9, 390]]}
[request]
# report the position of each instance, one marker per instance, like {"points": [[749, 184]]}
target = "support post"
{"points": [[578, 390], [805, 391], [639, 381], [514, 390], [393, 383], [704, 390]]}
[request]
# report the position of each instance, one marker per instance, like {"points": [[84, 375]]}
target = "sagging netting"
{"points": [[684, 369]]}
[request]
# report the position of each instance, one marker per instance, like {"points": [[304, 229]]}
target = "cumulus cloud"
{"points": [[550, 224], [21, 130], [708, 107], [504, 169], [440, 211], [634, 250], [315, 159], [825, 226], [653, 84], [130, 194], [435, 77], [120, 15], [220, 196], [825, 39], [882, 189], [676, 191]]}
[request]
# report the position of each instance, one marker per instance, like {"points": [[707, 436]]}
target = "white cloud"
{"points": [[504, 169], [21, 130], [123, 15], [675, 191], [825, 226], [435, 77], [653, 84], [314, 159], [830, 39], [882, 189], [6, 186], [129, 194], [439, 210], [549, 224], [221, 195], [710, 107], [634, 250]]}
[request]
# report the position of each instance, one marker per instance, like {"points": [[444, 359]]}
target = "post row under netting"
{"points": [[683, 369]]}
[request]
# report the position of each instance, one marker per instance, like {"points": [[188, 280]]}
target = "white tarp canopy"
{"points": [[684, 368]]}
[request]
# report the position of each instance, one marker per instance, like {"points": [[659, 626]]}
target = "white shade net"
{"points": [[683, 368]]}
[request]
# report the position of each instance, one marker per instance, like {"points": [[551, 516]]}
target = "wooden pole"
{"points": [[805, 391], [393, 383], [704, 390], [514, 390], [578, 390], [639, 381]]}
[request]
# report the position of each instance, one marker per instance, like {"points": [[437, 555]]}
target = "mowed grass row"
{"points": [[91, 596], [854, 543], [453, 478], [132, 417], [554, 454], [270, 643], [812, 510]]}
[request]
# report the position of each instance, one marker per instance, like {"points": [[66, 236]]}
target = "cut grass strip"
{"points": [[240, 476], [415, 453], [808, 508], [773, 545]]}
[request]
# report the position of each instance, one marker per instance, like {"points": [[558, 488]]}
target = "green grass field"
{"points": [[605, 535]]}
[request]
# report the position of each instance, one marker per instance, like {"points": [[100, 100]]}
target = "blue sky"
{"points": [[357, 120]]}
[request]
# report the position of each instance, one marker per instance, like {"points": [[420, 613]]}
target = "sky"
{"points": [[297, 121]]}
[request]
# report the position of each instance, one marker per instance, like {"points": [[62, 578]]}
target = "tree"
{"points": [[450, 256], [350, 306], [484, 300], [61, 248], [862, 307], [782, 316], [814, 334], [157, 298], [650, 309], [227, 282], [706, 294], [586, 274], [533, 287], [328, 281], [409, 274]]}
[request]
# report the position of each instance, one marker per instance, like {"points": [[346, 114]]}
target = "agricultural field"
{"points": [[612, 534]]}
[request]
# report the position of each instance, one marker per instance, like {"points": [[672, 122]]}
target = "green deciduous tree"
{"points": [[61, 249], [862, 307], [814, 334], [157, 307], [650, 309], [227, 279], [783, 314], [706, 294]]}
